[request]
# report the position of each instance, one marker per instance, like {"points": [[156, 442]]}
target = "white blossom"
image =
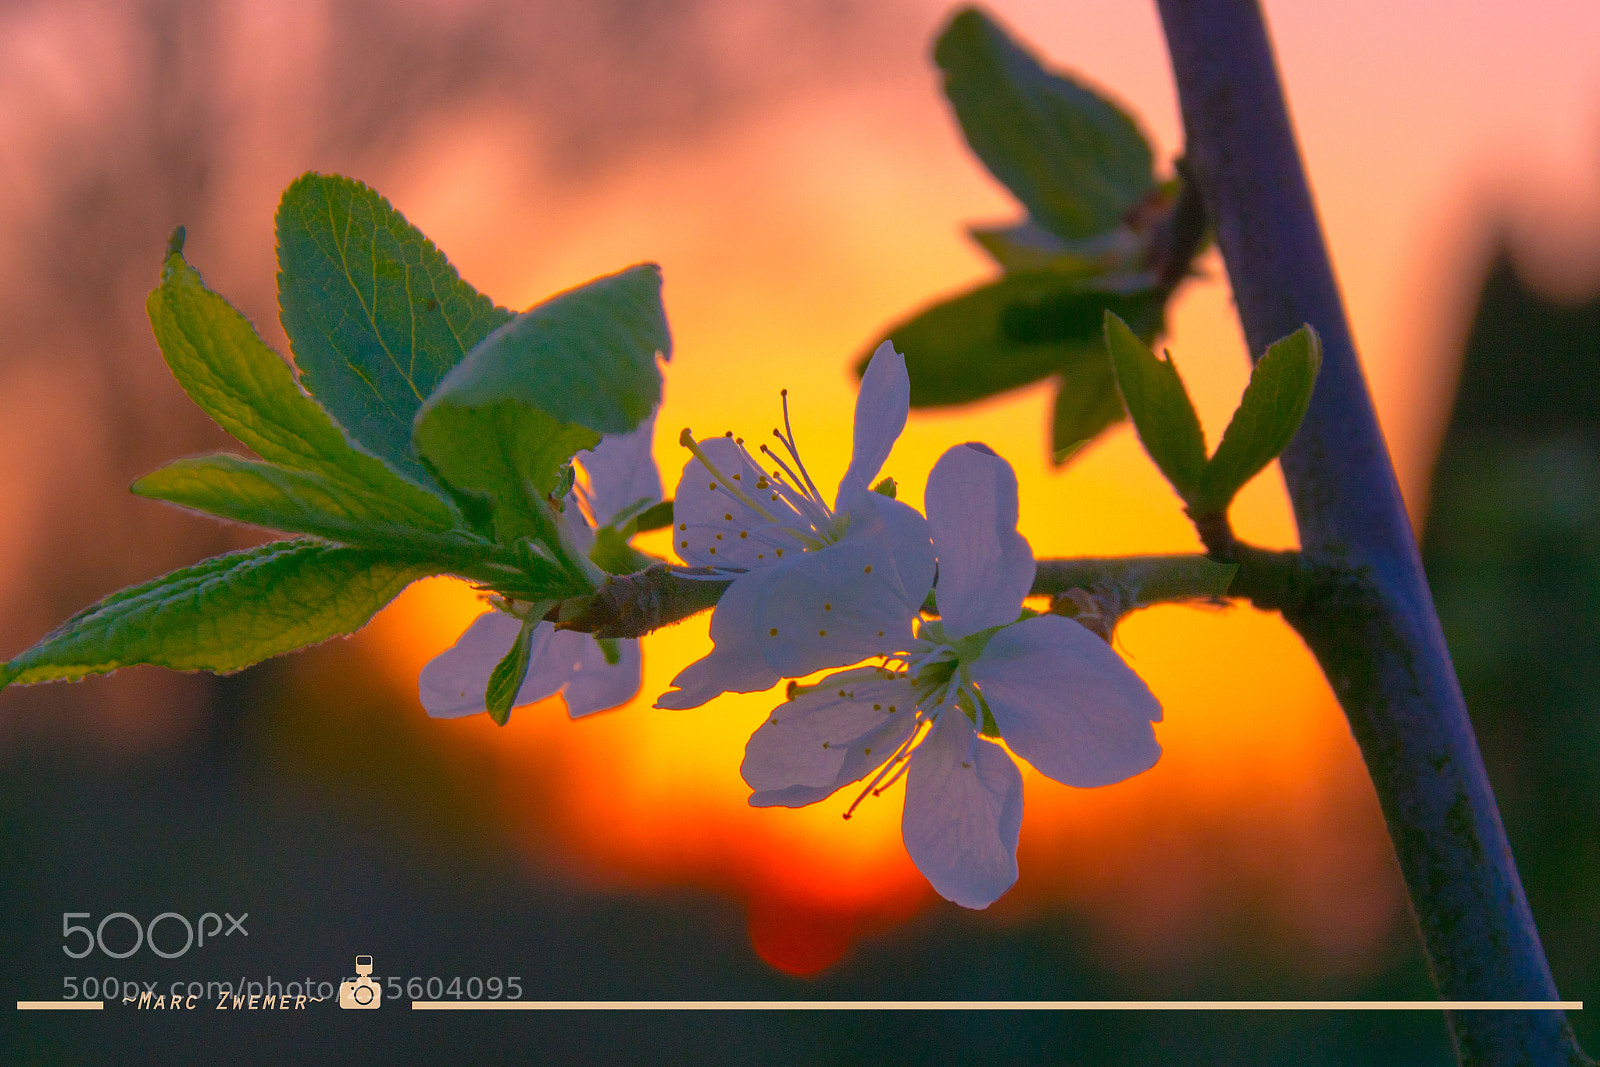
{"points": [[619, 480], [1058, 696], [772, 531]]}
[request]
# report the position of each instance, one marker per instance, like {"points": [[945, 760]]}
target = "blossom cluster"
{"points": [[942, 661]]}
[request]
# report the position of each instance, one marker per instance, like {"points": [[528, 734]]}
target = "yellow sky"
{"points": [[790, 235]]}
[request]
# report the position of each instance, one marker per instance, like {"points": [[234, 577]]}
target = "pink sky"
{"points": [[790, 231]]}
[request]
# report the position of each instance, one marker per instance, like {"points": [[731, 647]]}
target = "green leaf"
{"points": [[614, 555], [225, 613], [1009, 333], [511, 454], [586, 356], [1159, 406], [1074, 159], [222, 363], [375, 314], [507, 676], [1269, 414], [278, 498], [1028, 246], [1086, 404], [1076, 315], [654, 517], [505, 422]]}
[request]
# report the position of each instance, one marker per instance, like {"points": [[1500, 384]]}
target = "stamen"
{"points": [[814, 510], [794, 450], [793, 477], [892, 780], [686, 439], [874, 787]]}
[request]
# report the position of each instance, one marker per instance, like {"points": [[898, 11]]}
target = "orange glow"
{"points": [[785, 245], [790, 235], [1257, 756]]}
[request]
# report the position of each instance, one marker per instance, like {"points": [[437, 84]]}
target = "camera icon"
{"points": [[361, 992]]}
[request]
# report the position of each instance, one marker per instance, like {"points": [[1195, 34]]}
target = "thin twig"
{"points": [[633, 605]]}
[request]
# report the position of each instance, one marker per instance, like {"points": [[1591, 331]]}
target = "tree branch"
{"points": [[1383, 652], [632, 605]]}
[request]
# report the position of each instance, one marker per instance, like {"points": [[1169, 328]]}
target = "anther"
{"points": [[687, 440]]}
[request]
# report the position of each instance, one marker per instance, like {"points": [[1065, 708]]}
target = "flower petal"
{"points": [[910, 541], [550, 665], [574, 527], [1066, 703], [735, 663], [596, 685], [851, 600], [622, 472], [714, 528], [881, 409], [963, 812], [452, 684], [825, 738], [985, 566]]}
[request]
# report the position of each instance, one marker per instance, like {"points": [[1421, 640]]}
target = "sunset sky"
{"points": [[825, 194]]}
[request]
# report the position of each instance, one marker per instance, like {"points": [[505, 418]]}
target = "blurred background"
{"points": [[794, 169]]}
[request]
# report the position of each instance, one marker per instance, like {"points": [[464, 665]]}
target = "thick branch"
{"points": [[1383, 653]]}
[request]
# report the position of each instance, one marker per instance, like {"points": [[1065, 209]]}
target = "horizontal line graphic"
{"points": [[997, 1005], [60, 1005]]}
